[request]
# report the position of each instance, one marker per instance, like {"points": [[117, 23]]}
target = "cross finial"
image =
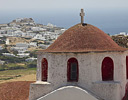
{"points": [[82, 14]]}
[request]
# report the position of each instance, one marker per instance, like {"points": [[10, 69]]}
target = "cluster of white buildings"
{"points": [[42, 35], [22, 48], [122, 33], [26, 27]]}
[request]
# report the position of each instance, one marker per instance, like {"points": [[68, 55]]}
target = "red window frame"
{"points": [[71, 61], [44, 66], [107, 69], [127, 67]]}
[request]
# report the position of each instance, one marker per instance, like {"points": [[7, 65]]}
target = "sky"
{"points": [[109, 15], [50, 5]]}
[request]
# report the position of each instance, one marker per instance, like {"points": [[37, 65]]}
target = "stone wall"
{"points": [[39, 89]]}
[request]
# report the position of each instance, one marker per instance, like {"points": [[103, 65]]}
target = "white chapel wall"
{"points": [[89, 68]]}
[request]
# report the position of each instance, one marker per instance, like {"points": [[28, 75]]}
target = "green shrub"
{"points": [[33, 54], [8, 78], [32, 64], [12, 59], [16, 67], [12, 66], [2, 67], [2, 42]]}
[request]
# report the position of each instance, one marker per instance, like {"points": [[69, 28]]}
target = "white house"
{"points": [[19, 19], [20, 47], [2, 31], [39, 36], [51, 25], [84, 63], [60, 31], [28, 34], [34, 44], [122, 33], [43, 46], [2, 62], [10, 32], [37, 29], [7, 41], [1, 48], [18, 33], [53, 35], [21, 55], [30, 59], [8, 54]]}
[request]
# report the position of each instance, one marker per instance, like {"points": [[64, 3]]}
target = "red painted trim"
{"points": [[107, 69], [72, 60], [44, 65], [127, 67]]}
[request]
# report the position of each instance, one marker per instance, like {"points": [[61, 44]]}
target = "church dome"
{"points": [[84, 38]]}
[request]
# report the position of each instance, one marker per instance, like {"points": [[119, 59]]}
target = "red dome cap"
{"points": [[83, 38]]}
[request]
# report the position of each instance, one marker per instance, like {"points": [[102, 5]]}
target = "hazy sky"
{"points": [[109, 15], [46, 5]]}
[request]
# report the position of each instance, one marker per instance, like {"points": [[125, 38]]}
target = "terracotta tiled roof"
{"points": [[18, 90], [81, 38]]}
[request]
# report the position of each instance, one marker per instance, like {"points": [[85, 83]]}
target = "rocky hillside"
{"points": [[121, 40]]}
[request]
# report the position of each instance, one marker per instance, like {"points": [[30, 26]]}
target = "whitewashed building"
{"points": [[2, 31], [20, 47], [2, 62], [60, 31], [39, 37], [21, 55], [8, 54], [1, 48], [54, 35], [123, 33], [50, 25], [29, 34], [30, 59], [33, 44], [18, 33], [43, 46], [84, 63], [37, 29]]}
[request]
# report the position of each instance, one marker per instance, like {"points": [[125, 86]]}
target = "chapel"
{"points": [[84, 63]]}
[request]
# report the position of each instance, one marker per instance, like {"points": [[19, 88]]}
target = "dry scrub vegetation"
{"points": [[18, 75]]}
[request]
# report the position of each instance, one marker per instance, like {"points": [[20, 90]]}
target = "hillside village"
{"points": [[21, 38], [19, 41]]}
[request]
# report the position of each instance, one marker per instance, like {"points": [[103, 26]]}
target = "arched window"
{"points": [[107, 69], [127, 67], [72, 70], [44, 69]]}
